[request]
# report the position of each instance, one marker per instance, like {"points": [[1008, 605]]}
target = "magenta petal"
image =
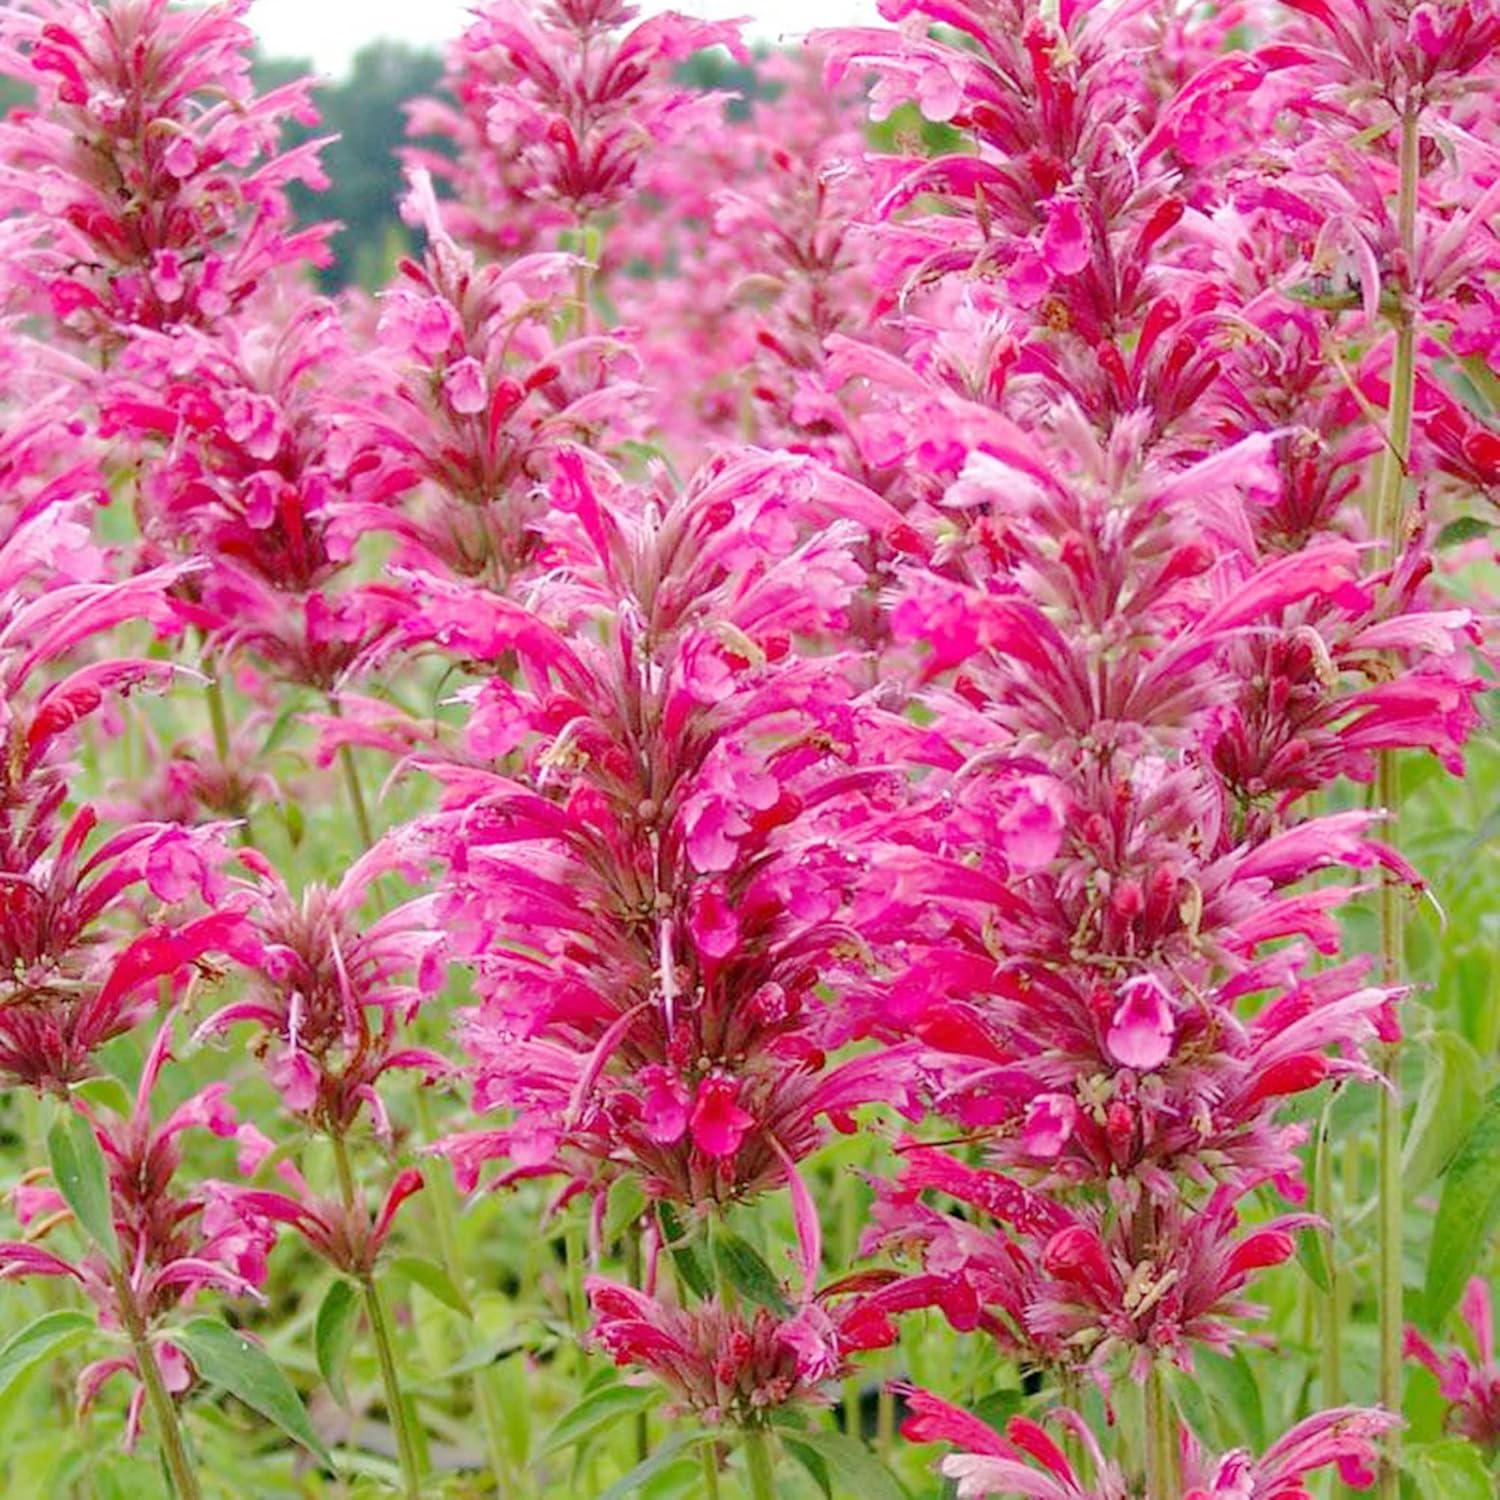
{"points": [[718, 1123], [1141, 1034]]}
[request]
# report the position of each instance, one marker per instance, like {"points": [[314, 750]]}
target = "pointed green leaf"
{"points": [[1451, 1096], [82, 1178], [226, 1358], [1467, 1212], [852, 1466], [333, 1335], [812, 1461], [625, 1204], [40, 1340], [1449, 1470], [684, 1255], [433, 1280], [597, 1411], [669, 1453], [106, 1090], [742, 1267]]}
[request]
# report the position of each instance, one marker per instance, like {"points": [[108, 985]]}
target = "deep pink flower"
{"points": [[1469, 1378], [1026, 1461], [176, 1241], [330, 997]]}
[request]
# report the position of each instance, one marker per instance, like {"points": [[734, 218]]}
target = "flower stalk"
{"points": [[1162, 1481], [1390, 525], [163, 1409], [380, 1335], [760, 1463]]}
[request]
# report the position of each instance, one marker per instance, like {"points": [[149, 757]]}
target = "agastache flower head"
{"points": [[736, 1365], [149, 166], [256, 461], [578, 92], [483, 396], [1138, 1278], [331, 998], [651, 908], [175, 1241]]}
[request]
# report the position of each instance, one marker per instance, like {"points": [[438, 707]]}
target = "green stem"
{"points": [[441, 1196], [582, 275], [710, 1453], [760, 1464], [1162, 1482], [1330, 1326], [356, 796], [494, 1433], [163, 1409], [380, 1334], [633, 1275], [885, 1418], [385, 1353], [218, 717], [1391, 528]]}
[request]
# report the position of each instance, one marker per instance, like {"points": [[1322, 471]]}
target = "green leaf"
{"points": [[82, 1178], [1449, 1470], [684, 1255], [1231, 1387], [1467, 1212], [1464, 529], [333, 1335], [106, 1090], [740, 1264], [661, 1460], [625, 1204], [433, 1280], [1312, 1256], [601, 1409], [226, 1358], [51, 1334], [812, 1461], [852, 1465], [1447, 1106]]}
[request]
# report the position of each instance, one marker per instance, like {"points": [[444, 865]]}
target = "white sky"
{"points": [[330, 32]]}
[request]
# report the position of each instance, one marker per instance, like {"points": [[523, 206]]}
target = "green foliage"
{"points": [[230, 1359]]}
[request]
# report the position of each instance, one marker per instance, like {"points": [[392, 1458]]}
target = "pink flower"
{"points": [[1141, 1030], [1065, 245], [1469, 1379], [718, 1123], [464, 386]]}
